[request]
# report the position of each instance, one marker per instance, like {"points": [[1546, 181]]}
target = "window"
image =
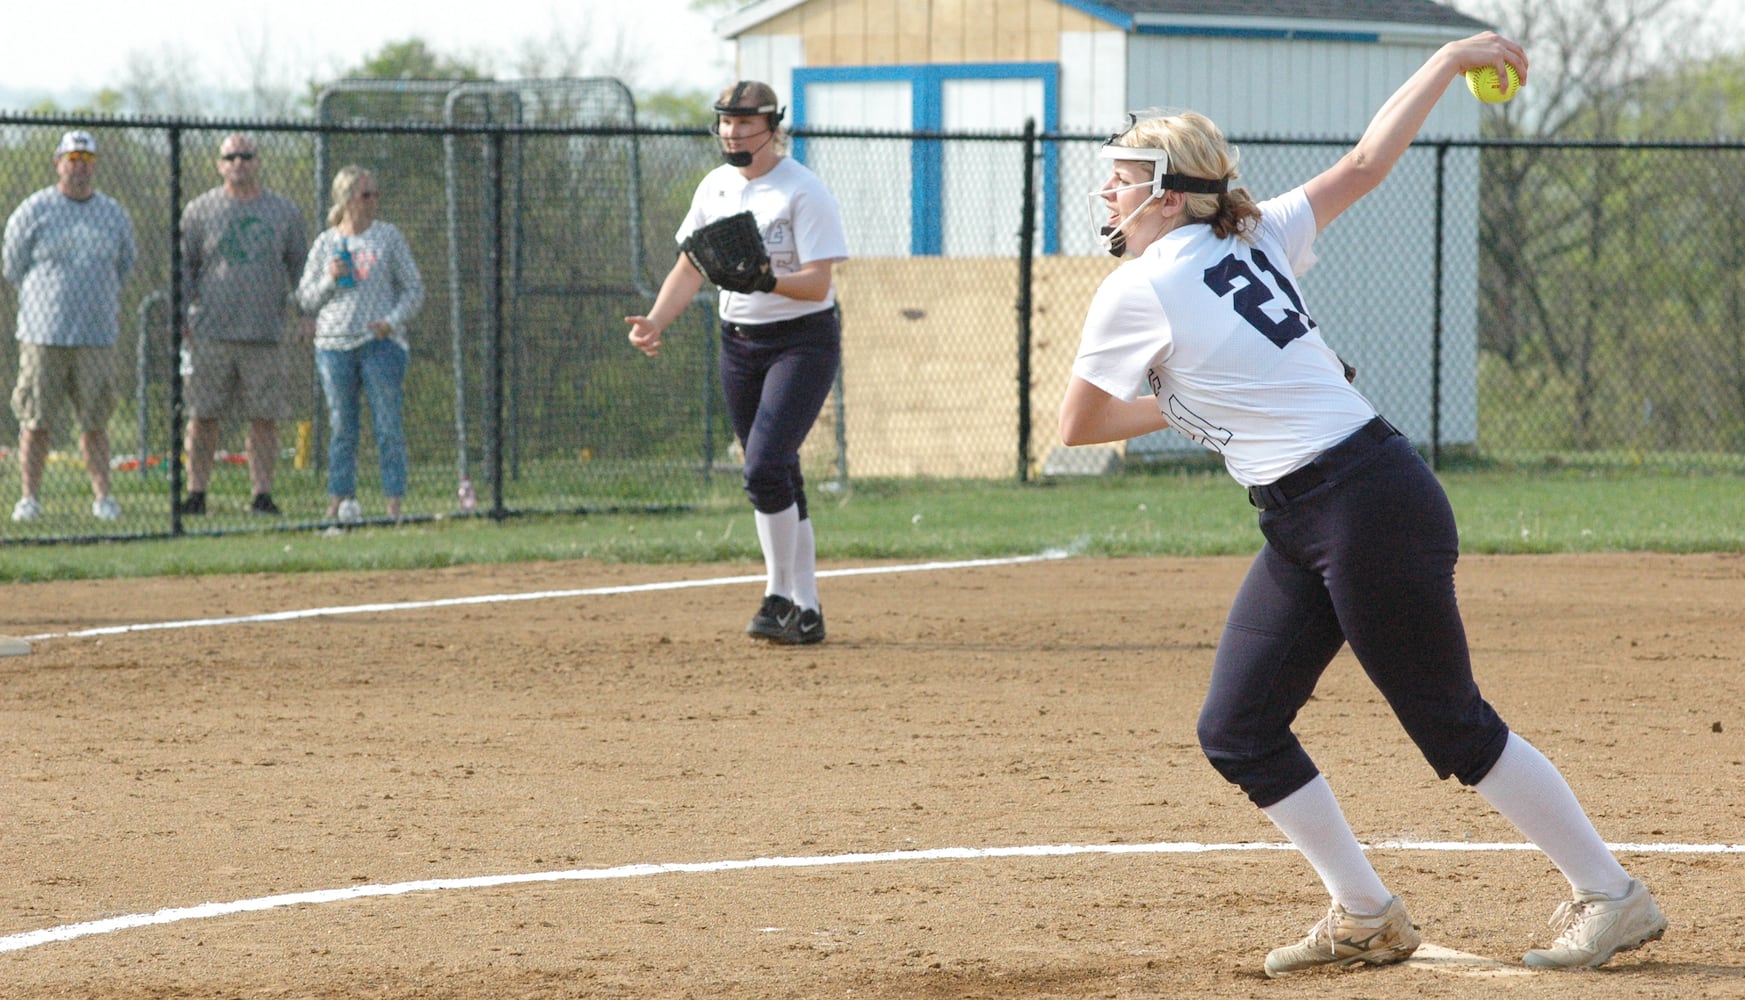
{"points": [[960, 196]]}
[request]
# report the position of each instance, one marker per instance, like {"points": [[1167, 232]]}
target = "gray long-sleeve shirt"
{"points": [[68, 258], [388, 287]]}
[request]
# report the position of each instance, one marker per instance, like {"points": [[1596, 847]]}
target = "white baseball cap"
{"points": [[76, 142]]}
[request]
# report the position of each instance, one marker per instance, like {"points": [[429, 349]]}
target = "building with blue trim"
{"points": [[935, 220], [1258, 67]]}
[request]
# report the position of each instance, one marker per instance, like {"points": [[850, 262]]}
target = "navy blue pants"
{"points": [[776, 377], [1366, 557]]}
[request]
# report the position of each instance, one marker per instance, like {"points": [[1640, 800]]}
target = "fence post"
{"points": [[711, 378], [176, 312], [1439, 263], [456, 315], [1026, 264], [318, 395], [493, 288], [841, 410]]}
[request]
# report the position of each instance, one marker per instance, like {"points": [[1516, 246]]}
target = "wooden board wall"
{"points": [[888, 32], [929, 362]]}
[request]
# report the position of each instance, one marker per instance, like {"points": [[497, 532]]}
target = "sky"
{"points": [[650, 44]]}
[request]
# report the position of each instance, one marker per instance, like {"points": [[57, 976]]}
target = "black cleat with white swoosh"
{"points": [[808, 628], [774, 619]]}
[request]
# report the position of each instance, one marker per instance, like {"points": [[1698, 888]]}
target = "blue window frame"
{"points": [[927, 87]]}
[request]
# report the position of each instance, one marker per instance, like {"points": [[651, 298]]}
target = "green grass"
{"points": [[1136, 514]]}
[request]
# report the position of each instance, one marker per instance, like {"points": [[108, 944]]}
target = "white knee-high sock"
{"points": [[1311, 820], [806, 566], [1530, 792], [778, 534]]}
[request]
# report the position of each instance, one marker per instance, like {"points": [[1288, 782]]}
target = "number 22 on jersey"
{"points": [[1251, 293]]}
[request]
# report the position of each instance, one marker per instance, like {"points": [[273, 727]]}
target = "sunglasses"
{"points": [[81, 156], [245, 157], [367, 194]]}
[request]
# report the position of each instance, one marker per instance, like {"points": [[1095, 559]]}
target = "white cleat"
{"points": [[1592, 928]]}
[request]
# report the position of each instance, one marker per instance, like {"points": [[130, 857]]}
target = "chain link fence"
{"points": [[1512, 304]]}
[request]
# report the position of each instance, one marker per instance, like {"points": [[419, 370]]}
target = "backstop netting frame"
{"points": [[546, 236]]}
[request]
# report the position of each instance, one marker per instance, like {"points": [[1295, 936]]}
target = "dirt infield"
{"points": [[997, 709]]}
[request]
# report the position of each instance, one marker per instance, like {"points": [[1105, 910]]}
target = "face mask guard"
{"points": [[737, 104], [1114, 238]]}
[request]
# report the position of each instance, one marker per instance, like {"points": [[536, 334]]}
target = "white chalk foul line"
{"points": [[538, 595], [110, 925]]}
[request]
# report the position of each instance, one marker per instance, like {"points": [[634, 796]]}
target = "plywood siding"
{"points": [[920, 398], [901, 32], [923, 399]]}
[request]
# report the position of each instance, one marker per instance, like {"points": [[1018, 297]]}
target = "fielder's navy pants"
{"points": [[776, 377], [1367, 557]]}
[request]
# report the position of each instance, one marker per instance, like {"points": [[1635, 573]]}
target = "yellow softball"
{"points": [[1482, 81]]}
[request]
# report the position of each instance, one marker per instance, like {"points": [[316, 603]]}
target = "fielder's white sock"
{"points": [[1311, 820], [1530, 792], [806, 566], [778, 534]]}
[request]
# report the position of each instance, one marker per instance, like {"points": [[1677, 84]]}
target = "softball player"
{"points": [[779, 349], [1206, 331]]}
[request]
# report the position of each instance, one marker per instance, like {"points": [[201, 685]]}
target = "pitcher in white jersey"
{"points": [[1206, 331]]}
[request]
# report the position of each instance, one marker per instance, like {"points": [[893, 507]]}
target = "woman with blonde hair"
{"points": [[362, 285], [1206, 331]]}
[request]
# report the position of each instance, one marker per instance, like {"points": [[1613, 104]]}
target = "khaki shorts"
{"points": [[50, 378], [236, 378]]}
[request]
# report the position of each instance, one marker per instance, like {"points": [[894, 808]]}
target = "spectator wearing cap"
{"points": [[67, 249]]}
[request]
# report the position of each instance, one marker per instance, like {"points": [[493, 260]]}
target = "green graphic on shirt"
{"points": [[246, 239]]}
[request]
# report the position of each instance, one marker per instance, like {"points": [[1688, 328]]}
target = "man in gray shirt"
{"points": [[242, 252], [67, 249]]}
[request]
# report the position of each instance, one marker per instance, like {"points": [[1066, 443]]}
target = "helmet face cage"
{"points": [[1161, 178], [743, 104], [1113, 238], [1158, 158]]}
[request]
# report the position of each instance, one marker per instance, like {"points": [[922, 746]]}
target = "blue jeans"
{"points": [[378, 368]]}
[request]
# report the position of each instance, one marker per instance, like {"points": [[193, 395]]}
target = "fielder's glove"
{"points": [[730, 253]]}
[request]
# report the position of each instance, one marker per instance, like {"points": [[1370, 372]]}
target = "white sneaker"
{"points": [[1591, 928], [350, 512], [106, 509], [27, 509], [1343, 938]]}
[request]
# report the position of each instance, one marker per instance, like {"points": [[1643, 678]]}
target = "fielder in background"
{"points": [[67, 250], [780, 341], [1205, 330], [363, 285], [242, 252]]}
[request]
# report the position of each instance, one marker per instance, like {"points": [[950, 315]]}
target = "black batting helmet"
{"points": [[749, 97]]}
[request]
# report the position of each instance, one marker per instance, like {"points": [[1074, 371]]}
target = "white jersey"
{"points": [[1217, 331], [800, 223]]}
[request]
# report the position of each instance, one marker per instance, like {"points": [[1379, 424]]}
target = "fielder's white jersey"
{"points": [[798, 218], [1216, 329]]}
